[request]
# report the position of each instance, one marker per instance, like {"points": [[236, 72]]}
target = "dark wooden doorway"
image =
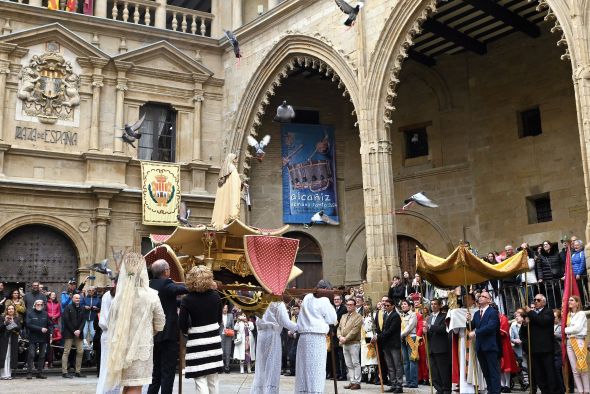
{"points": [[38, 253], [309, 260], [406, 249]]}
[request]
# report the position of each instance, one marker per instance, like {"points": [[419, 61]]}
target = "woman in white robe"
{"points": [[315, 317], [245, 345], [227, 198], [107, 300], [268, 367]]}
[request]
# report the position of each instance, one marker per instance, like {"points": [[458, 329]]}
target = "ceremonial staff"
{"points": [[374, 327], [475, 370], [428, 358]]}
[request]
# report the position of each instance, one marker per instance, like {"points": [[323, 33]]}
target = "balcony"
{"points": [[153, 13]]}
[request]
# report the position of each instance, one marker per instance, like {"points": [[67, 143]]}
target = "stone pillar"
{"points": [[5, 50], [122, 68], [96, 86], [382, 259], [101, 221], [160, 17], [237, 13], [216, 22], [100, 8], [198, 99], [273, 3]]}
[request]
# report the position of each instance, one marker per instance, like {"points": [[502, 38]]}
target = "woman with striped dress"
{"points": [[200, 318]]}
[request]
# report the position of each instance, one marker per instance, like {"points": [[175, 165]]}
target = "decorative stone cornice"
{"points": [[198, 97], [550, 16], [122, 66]]}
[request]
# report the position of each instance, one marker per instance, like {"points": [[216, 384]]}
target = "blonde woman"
{"points": [[576, 329], [201, 318], [135, 317]]}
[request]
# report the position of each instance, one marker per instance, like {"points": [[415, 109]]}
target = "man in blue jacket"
{"points": [[91, 305], [485, 326], [165, 342]]}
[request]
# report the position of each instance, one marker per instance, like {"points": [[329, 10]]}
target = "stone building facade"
{"points": [[500, 122]]}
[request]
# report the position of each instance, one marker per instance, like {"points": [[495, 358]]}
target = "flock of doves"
{"points": [[285, 114]]}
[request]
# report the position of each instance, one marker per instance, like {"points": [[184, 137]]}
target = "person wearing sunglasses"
{"points": [[541, 334]]}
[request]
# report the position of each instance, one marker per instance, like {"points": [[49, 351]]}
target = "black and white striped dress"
{"points": [[203, 348]]}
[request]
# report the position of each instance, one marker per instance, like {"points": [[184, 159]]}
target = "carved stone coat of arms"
{"points": [[49, 88]]}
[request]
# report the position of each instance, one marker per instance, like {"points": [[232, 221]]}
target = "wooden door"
{"points": [[38, 253], [309, 260], [406, 247]]}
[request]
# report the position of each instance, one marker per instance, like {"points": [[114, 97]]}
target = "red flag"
{"points": [[570, 288]]}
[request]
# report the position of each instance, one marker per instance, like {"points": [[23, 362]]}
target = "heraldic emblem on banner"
{"points": [[160, 195]]}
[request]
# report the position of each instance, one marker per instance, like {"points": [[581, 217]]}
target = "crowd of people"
{"points": [[464, 340]]}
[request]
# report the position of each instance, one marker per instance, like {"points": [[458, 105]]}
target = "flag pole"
{"points": [[475, 371]]}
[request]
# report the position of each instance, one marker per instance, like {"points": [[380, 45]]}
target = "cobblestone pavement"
{"points": [[230, 384]]}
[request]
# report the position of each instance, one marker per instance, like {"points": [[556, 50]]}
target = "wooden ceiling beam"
{"points": [[421, 58], [448, 33], [506, 16]]}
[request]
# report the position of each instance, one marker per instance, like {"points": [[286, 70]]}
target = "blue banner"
{"points": [[309, 172]]}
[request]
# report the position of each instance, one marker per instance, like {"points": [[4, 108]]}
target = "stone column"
{"points": [[198, 99], [237, 20], [216, 22], [96, 86], [101, 221], [273, 3], [122, 68], [100, 8], [5, 50], [160, 17], [382, 259]]}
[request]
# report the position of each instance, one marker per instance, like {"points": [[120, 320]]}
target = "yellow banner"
{"points": [[160, 195]]}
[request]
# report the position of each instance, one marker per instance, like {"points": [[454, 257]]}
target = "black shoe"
{"points": [[29, 376], [399, 390], [41, 376], [342, 379], [67, 375], [80, 375], [390, 390]]}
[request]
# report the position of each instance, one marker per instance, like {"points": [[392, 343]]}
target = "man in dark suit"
{"points": [[439, 348], [379, 324], [389, 340], [166, 341], [541, 345], [485, 326]]}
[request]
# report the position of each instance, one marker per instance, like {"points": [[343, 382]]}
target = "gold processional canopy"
{"points": [[464, 268]]}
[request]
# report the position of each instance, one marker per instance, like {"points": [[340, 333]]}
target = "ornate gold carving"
{"points": [[49, 87], [238, 267]]}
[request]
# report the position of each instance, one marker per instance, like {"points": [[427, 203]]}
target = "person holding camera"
{"points": [[10, 326]]}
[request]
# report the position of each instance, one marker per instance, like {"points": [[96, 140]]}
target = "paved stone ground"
{"points": [[230, 384]]}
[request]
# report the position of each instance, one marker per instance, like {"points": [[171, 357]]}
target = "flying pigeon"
{"points": [[234, 43], [131, 133], [284, 113], [102, 268], [349, 10], [259, 146], [184, 214], [321, 217], [420, 199]]}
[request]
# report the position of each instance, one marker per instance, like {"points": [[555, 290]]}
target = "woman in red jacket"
{"points": [[508, 364], [54, 313]]}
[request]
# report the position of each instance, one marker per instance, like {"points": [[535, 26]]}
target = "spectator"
{"points": [[200, 317], [514, 333], [34, 295], [73, 322], [67, 295], [340, 363], [166, 341], [135, 317], [407, 283], [576, 330], [54, 313], [18, 303], [508, 364], [227, 336], [349, 336], [368, 353], [293, 338], [557, 359], [550, 256], [10, 326], [389, 339], [245, 345], [91, 305], [579, 268], [379, 326], [397, 291], [541, 334], [360, 303], [39, 327], [409, 344], [2, 298]]}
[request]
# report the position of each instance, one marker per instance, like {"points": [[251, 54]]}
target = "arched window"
{"points": [[309, 260]]}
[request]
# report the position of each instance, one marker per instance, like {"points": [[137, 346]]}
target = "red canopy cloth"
{"points": [[271, 260]]}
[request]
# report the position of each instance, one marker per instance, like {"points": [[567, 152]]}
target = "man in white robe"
{"points": [[107, 300], [467, 366]]}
